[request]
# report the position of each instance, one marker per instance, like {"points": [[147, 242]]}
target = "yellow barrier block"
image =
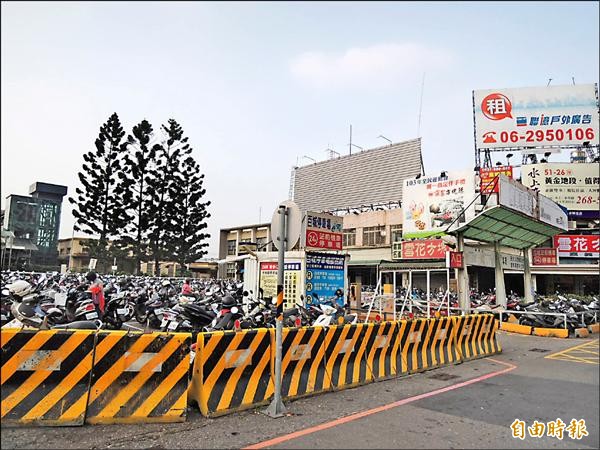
{"points": [[512, 319], [595, 328], [581, 332], [515, 328], [551, 332]]}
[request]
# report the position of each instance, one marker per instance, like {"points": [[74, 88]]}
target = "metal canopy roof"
{"points": [[508, 227]]}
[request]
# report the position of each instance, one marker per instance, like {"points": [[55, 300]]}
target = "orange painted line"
{"points": [[360, 415]]}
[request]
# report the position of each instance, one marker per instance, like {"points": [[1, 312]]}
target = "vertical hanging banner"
{"points": [[324, 276]]}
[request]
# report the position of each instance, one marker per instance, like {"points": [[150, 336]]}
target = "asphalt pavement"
{"points": [[469, 405]]}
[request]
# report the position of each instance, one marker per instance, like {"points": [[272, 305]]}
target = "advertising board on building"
{"points": [[433, 203], [574, 186], [423, 249], [324, 276], [323, 231], [455, 260], [292, 287], [549, 116], [544, 256], [579, 246], [515, 196], [487, 176]]}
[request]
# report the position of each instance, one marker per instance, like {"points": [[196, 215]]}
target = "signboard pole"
{"points": [[499, 273], [462, 282], [277, 408], [527, 284]]}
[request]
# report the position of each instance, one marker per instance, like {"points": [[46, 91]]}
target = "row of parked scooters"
{"points": [[66, 301]]}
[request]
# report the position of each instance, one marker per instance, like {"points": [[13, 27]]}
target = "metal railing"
{"points": [[535, 313]]}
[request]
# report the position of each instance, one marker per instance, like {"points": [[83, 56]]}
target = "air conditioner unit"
{"points": [[572, 224]]}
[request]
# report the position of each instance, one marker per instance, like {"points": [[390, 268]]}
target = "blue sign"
{"points": [[324, 276]]}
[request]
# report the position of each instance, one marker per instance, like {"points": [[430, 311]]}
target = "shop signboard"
{"points": [[292, 288], [424, 249], [433, 203], [579, 246], [324, 276], [455, 260], [323, 231], [574, 186], [487, 176], [512, 262], [544, 256], [549, 116]]}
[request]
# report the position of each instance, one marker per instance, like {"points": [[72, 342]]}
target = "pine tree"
{"points": [[188, 241], [163, 190], [135, 189], [97, 208]]}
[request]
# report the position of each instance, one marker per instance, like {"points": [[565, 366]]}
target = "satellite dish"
{"points": [[294, 224]]}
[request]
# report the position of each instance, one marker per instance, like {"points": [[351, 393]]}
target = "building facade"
{"points": [[235, 242], [35, 222]]}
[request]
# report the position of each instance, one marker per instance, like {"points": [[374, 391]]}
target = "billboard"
{"points": [[323, 231], [370, 177], [578, 246], [433, 203], [550, 116], [574, 186], [324, 276], [514, 195], [487, 176]]}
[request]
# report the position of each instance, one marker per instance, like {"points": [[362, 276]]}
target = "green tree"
{"points": [[98, 208], [135, 186]]}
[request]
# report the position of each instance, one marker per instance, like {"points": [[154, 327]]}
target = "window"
{"points": [[396, 233], [373, 236], [349, 237], [231, 247], [231, 269], [261, 244]]}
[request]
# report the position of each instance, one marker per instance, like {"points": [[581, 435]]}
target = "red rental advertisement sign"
{"points": [[424, 249], [488, 174], [583, 246], [544, 256]]}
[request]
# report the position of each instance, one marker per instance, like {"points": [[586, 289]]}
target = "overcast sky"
{"points": [[257, 86]]}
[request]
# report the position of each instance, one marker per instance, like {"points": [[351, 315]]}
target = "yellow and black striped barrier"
{"points": [[442, 347], [139, 378], [476, 336], [382, 348], [232, 371], [345, 363], [302, 361], [44, 374]]}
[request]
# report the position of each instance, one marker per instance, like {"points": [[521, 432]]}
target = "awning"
{"points": [[22, 244], [365, 262], [234, 259], [412, 265], [508, 227]]}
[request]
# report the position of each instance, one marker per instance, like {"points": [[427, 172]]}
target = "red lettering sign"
{"points": [[323, 239], [456, 260], [423, 249], [544, 257], [587, 246]]}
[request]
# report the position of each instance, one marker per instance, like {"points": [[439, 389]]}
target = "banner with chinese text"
{"points": [[574, 186], [544, 256], [424, 249], [581, 246], [560, 116], [292, 287], [431, 204], [323, 231], [324, 276], [487, 176]]}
